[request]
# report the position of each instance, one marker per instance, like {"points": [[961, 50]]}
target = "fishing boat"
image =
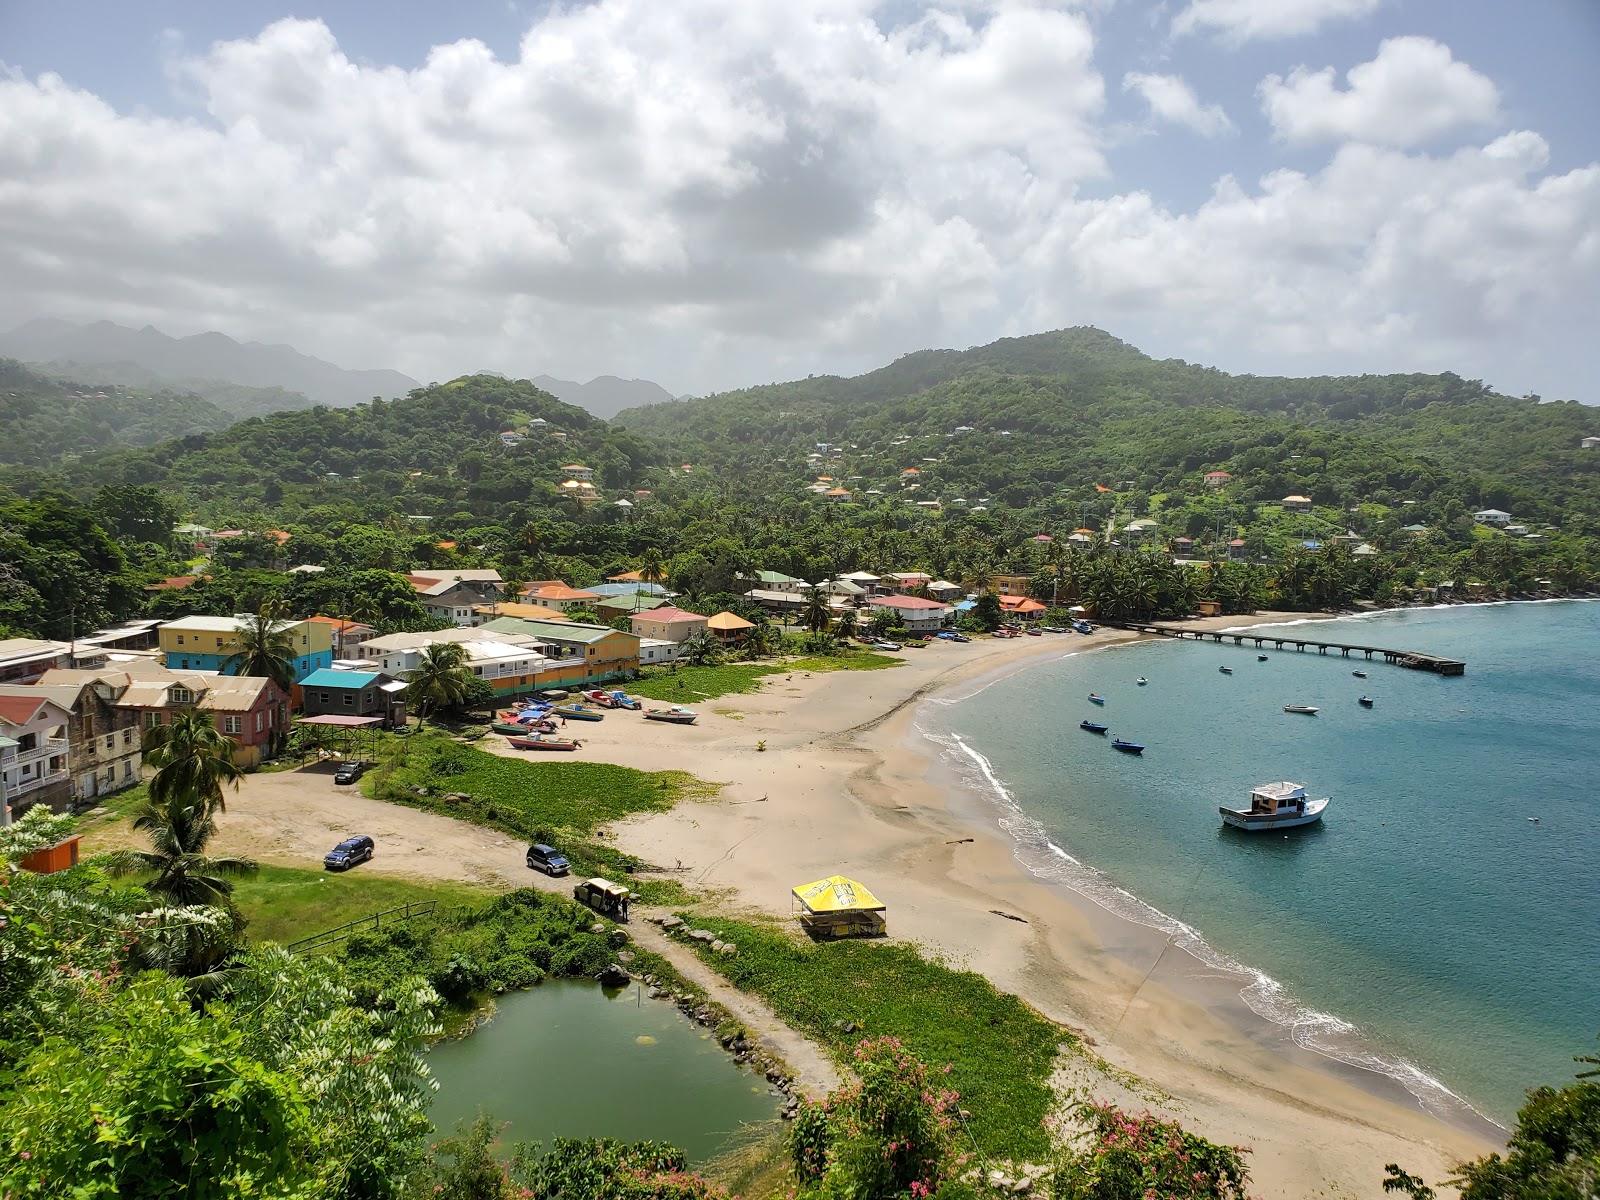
{"points": [[1275, 806], [612, 699], [1094, 699], [519, 729], [1300, 708], [1261, 658], [1093, 726], [676, 715], [1141, 681], [1365, 701], [578, 712], [1359, 674], [542, 741], [1226, 670], [1127, 747]]}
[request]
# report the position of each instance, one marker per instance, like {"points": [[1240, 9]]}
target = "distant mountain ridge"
{"points": [[605, 395], [62, 345]]}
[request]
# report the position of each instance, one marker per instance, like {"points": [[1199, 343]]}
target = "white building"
{"points": [[1590, 443], [33, 755], [489, 656], [1492, 516], [656, 651], [453, 595]]}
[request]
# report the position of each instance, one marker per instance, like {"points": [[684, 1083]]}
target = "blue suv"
{"points": [[348, 853]]}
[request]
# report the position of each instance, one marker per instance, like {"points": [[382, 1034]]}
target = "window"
{"points": [[185, 665], [111, 776], [180, 639], [260, 718], [349, 700], [219, 643], [152, 719], [111, 742], [322, 697], [127, 770], [232, 725], [181, 695], [127, 737]]}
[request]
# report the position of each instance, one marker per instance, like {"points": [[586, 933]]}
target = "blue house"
{"points": [[206, 643]]}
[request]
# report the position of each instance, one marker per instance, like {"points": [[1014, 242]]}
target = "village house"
{"points": [[1217, 479], [918, 615], [1295, 503], [347, 635], [944, 591], [452, 595], [1590, 443], [612, 607], [511, 438], [729, 628], [905, 582], [329, 692], [207, 643], [776, 581], [250, 710], [1237, 550], [581, 489], [579, 472], [668, 624], [33, 755], [1139, 527], [658, 651], [485, 613], [865, 580], [581, 653], [1022, 608], [103, 740], [1011, 585], [137, 637], [559, 596], [1492, 516], [510, 663], [1182, 547]]}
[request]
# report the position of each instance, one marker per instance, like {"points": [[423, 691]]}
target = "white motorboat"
{"points": [[1300, 708], [1275, 806]]}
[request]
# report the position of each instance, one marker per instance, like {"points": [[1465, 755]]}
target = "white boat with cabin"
{"points": [[1275, 806]]}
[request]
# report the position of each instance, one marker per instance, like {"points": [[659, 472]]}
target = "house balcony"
{"points": [[48, 748]]}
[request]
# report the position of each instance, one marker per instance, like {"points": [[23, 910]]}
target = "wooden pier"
{"points": [[1413, 659]]}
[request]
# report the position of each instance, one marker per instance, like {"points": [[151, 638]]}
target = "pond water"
{"points": [[565, 1059]]}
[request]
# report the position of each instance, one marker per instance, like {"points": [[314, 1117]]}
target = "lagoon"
{"points": [[568, 1059], [1427, 928]]}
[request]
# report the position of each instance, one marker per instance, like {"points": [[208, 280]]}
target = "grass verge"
{"points": [[692, 684], [282, 904], [1000, 1052]]}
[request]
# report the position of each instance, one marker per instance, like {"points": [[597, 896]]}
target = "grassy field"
{"points": [[688, 685], [282, 904], [1000, 1051]]}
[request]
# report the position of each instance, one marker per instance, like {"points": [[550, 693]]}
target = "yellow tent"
{"points": [[837, 894]]}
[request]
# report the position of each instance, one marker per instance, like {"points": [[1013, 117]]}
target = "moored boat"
{"points": [[1359, 674], [1141, 681], [578, 712], [676, 715], [1275, 806], [1365, 701], [1093, 726], [542, 741], [1226, 670], [1096, 699], [1261, 658], [1127, 747], [1300, 708]]}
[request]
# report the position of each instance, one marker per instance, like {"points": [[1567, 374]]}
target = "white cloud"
{"points": [[1413, 92], [1171, 99], [701, 191], [1252, 20]]}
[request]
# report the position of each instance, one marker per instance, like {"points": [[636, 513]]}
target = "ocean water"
{"points": [[1426, 928]]}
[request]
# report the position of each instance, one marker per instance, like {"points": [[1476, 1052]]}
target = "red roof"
{"points": [[19, 710], [669, 616], [339, 626], [907, 602], [1218, 475], [1041, 537]]}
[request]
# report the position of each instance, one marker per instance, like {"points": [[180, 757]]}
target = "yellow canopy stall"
{"points": [[840, 907]]}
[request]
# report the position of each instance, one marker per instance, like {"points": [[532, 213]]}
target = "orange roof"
{"points": [[1218, 475], [528, 612], [1100, 487], [1089, 531], [445, 545], [278, 536], [339, 625], [1020, 604], [837, 492], [911, 471], [559, 591], [171, 584], [727, 622], [626, 576]]}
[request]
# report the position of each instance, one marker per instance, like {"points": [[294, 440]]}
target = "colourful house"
{"points": [[206, 643]]}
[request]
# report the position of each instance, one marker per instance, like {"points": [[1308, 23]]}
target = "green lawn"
{"points": [[1000, 1051], [283, 904], [689, 685]]}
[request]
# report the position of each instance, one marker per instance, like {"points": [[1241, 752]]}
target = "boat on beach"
{"points": [[612, 699], [1226, 670], [522, 729], [1127, 747], [1093, 726], [676, 715], [1306, 709], [578, 712], [1365, 701], [1275, 806], [543, 741], [1096, 699]]}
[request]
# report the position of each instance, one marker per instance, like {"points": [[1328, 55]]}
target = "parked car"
{"points": [[351, 771], [547, 859], [348, 853], [887, 646]]}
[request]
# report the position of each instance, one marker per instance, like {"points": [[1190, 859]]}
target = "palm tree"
{"points": [[179, 830], [651, 569], [193, 761], [265, 648], [845, 626], [817, 616], [440, 679], [699, 648]]}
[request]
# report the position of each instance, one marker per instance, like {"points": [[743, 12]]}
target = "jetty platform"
{"points": [[1415, 660]]}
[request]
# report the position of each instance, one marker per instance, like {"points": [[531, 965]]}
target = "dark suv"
{"points": [[547, 859], [348, 853], [351, 771]]}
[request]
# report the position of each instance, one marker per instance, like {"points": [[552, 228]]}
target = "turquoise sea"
{"points": [[1427, 928]]}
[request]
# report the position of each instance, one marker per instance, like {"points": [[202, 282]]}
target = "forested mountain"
{"points": [[236, 399], [202, 356], [606, 395], [47, 419]]}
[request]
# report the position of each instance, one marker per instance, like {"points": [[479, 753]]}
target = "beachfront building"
{"points": [[33, 755], [729, 628], [207, 643], [453, 595], [658, 651], [1492, 516], [330, 692], [667, 623], [578, 653], [510, 663], [103, 739], [918, 615], [1021, 608]]}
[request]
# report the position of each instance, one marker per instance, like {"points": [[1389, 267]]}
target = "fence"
{"points": [[374, 921]]}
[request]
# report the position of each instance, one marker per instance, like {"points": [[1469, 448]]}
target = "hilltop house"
{"points": [[579, 472], [452, 595], [1295, 503], [354, 694], [206, 643], [918, 615], [1217, 479], [33, 755], [1590, 443], [1492, 516]]}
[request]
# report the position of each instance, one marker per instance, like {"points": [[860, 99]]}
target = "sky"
{"points": [[717, 193]]}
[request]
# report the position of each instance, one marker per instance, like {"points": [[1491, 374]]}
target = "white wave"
{"points": [[1311, 1029]]}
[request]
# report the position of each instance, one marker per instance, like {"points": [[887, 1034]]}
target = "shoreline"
{"points": [[850, 784]]}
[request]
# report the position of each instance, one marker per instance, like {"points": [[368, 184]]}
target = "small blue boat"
{"points": [[1127, 747], [1093, 699], [1093, 726]]}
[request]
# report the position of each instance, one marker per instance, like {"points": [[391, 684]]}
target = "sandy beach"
{"points": [[845, 783]]}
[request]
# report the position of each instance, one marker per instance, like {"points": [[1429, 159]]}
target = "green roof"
{"points": [[776, 577], [637, 602], [551, 631]]}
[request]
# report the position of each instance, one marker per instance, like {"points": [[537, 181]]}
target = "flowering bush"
{"points": [[1127, 1157]]}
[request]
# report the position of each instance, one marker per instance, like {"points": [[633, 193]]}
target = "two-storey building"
{"points": [[207, 643], [103, 739], [454, 595], [354, 694], [33, 760]]}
